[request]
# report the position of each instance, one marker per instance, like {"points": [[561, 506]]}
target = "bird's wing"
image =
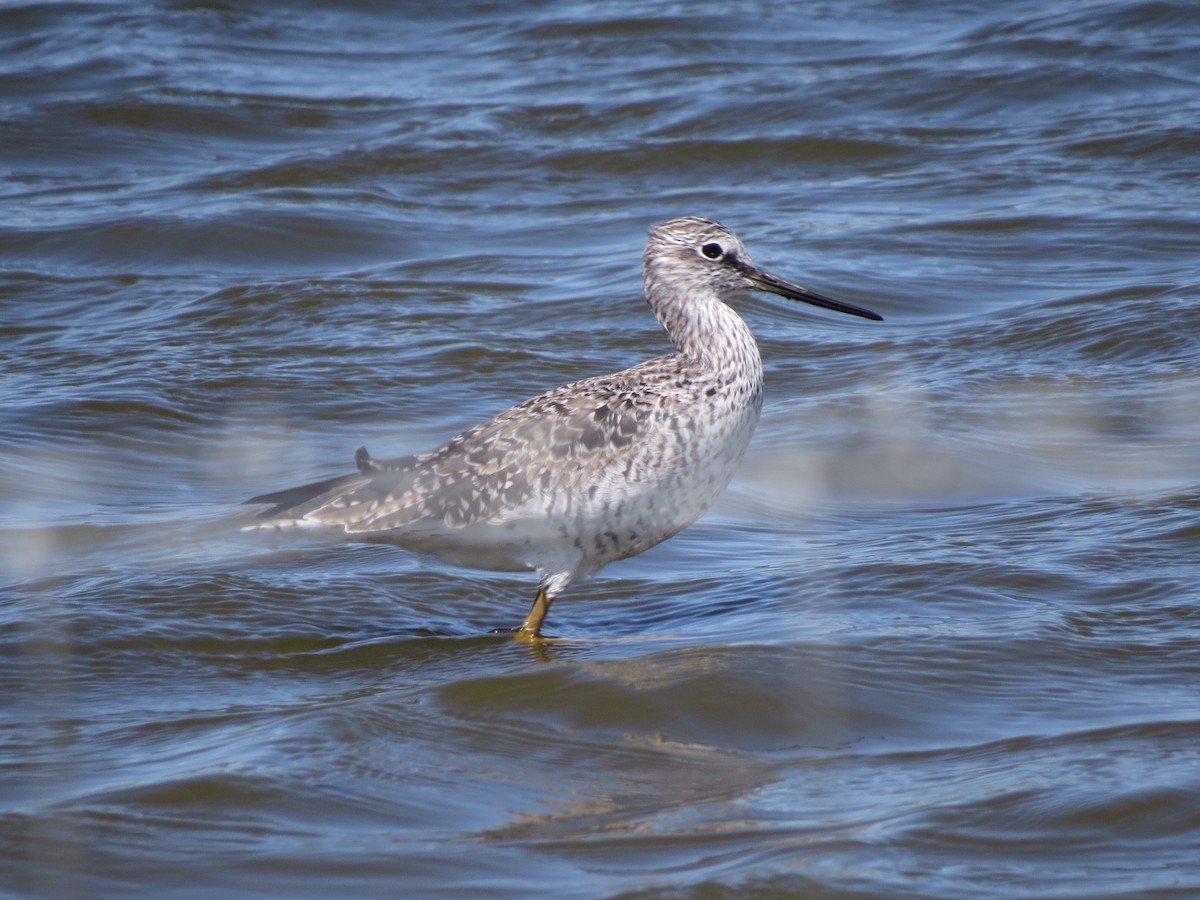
{"points": [[553, 444]]}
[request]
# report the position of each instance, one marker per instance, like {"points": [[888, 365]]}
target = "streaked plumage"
{"points": [[595, 471]]}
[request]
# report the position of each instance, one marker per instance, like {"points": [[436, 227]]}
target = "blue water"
{"points": [[941, 636]]}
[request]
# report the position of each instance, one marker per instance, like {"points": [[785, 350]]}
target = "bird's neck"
{"points": [[710, 333]]}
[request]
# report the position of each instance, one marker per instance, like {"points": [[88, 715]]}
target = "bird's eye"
{"points": [[712, 250]]}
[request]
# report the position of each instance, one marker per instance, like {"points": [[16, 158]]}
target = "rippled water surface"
{"points": [[941, 636]]}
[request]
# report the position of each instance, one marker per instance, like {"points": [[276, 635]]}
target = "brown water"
{"points": [[941, 638]]}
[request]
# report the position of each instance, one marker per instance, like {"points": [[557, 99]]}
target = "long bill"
{"points": [[768, 282]]}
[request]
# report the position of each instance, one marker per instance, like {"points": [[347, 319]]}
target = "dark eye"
{"points": [[712, 250]]}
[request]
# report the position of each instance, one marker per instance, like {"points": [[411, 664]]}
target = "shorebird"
{"points": [[594, 471]]}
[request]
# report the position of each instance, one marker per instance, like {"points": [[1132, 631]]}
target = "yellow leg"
{"points": [[531, 629]]}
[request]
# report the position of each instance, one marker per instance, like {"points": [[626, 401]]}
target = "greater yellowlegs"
{"points": [[595, 471]]}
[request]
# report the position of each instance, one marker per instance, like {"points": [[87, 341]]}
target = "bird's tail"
{"points": [[290, 508], [287, 508]]}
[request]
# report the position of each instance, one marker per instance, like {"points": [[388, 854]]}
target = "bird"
{"points": [[597, 470]]}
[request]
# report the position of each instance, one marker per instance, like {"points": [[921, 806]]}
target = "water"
{"points": [[938, 639]]}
